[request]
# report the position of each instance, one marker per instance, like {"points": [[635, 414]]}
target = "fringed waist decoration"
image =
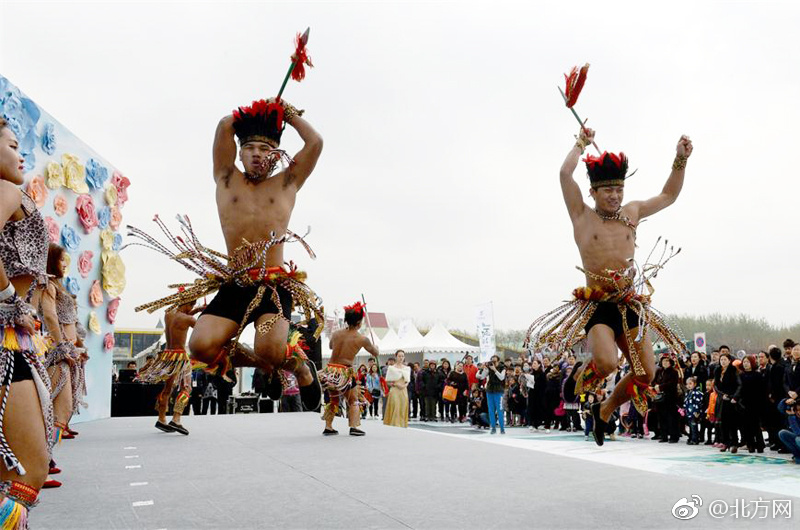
{"points": [[16, 343], [336, 378], [60, 352], [168, 363], [564, 326]]}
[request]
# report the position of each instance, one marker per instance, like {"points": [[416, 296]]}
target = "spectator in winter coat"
{"points": [[471, 370], [776, 392], [665, 383], [432, 382], [697, 370], [728, 385], [752, 397]]}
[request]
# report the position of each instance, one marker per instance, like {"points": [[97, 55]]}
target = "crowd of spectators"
{"points": [[723, 400]]}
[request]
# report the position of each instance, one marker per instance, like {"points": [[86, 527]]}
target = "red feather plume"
{"points": [[575, 81], [300, 58]]}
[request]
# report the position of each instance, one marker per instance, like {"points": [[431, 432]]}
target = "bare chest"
{"points": [[253, 211], [604, 243]]}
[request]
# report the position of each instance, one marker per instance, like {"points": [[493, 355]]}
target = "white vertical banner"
{"points": [[484, 316], [700, 342]]}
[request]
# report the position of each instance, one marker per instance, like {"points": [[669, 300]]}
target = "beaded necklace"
{"points": [[617, 216]]}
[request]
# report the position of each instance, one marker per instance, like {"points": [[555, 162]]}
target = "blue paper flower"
{"points": [[22, 115], [104, 217], [72, 285], [49, 139], [96, 174], [117, 241], [70, 239]]}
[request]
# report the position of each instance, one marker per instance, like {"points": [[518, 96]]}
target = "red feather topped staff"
{"points": [[575, 81], [297, 70]]}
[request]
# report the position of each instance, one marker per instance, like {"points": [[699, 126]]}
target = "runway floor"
{"points": [[278, 471]]}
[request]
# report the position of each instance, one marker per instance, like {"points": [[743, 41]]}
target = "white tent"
{"points": [[410, 338], [390, 342], [439, 340]]}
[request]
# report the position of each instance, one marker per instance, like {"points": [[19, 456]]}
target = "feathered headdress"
{"points": [[260, 122], [608, 169], [357, 308]]}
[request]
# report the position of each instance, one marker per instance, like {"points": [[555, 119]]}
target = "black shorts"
{"points": [[231, 302], [608, 313], [22, 372]]}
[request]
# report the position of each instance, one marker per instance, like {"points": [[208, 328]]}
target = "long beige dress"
{"points": [[397, 403]]}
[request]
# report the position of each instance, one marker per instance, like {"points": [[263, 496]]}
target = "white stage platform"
{"points": [[278, 471]]}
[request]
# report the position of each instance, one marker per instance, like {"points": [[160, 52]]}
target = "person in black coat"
{"points": [[458, 379], [793, 373], [696, 369], [728, 386], [432, 383], [776, 392], [752, 398], [199, 384], [665, 383], [224, 390]]}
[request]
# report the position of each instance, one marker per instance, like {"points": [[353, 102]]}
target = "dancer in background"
{"points": [[338, 378], [172, 366]]}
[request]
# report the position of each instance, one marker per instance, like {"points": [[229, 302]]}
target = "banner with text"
{"points": [[484, 315]]}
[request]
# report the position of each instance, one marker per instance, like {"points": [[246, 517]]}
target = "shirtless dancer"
{"points": [[608, 309], [338, 377], [173, 366], [253, 206]]}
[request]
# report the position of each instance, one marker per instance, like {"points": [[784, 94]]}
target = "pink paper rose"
{"points": [[116, 218], [86, 212], [60, 205], [108, 341], [121, 182], [37, 190], [85, 263], [96, 294], [111, 312], [53, 230]]}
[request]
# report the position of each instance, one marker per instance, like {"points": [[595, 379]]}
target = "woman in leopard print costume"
{"points": [[26, 420]]}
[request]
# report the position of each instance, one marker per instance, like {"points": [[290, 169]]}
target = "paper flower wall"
{"points": [[37, 190], [113, 273], [54, 175], [74, 173], [85, 263], [108, 342], [94, 324], [96, 294], [60, 205], [86, 213], [70, 240], [52, 229], [111, 311]]}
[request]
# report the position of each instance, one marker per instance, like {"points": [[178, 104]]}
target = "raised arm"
{"points": [[224, 149], [306, 159], [672, 188], [570, 188]]}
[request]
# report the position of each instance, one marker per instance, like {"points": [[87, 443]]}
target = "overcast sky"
{"points": [[438, 185]]}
